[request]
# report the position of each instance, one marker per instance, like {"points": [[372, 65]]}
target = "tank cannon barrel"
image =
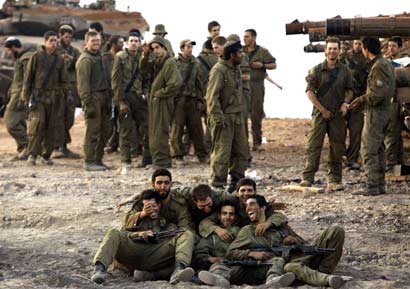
{"points": [[319, 34], [297, 27], [314, 48]]}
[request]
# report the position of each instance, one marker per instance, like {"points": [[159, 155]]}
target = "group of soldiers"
{"points": [[355, 91], [141, 97], [212, 237]]}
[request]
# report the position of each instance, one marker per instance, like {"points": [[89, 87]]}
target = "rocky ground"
{"points": [[53, 218]]}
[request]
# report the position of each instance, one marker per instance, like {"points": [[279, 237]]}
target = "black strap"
{"points": [[202, 60], [252, 54], [134, 76], [49, 72], [187, 76], [325, 87]]}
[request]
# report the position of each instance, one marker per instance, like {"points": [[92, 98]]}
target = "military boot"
{"points": [[99, 276], [31, 160], [182, 273], [93, 167], [139, 276], [280, 281], [368, 190], [213, 279], [335, 281], [305, 183], [47, 161], [67, 153], [333, 187]]}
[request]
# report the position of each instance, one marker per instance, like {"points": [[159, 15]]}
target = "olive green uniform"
{"points": [[329, 86], [66, 110], [125, 67], [43, 117], [16, 112], [166, 81], [189, 104], [257, 87], [226, 107], [379, 92], [168, 45], [93, 88], [246, 90], [158, 258], [357, 63]]}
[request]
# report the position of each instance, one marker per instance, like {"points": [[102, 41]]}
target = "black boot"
{"points": [[100, 275], [182, 273]]}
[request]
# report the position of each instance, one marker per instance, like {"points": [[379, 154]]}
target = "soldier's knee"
{"points": [[293, 267], [113, 233], [337, 232]]}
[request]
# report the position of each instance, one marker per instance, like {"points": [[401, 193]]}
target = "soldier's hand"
{"points": [[90, 111], [278, 206], [262, 256], [256, 65], [327, 115], [290, 240], [357, 103], [261, 228], [344, 109], [143, 235], [123, 107], [147, 210], [217, 260], [224, 234]]}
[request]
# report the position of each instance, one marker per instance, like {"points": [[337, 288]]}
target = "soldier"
{"points": [[93, 88], [355, 119], [166, 81], [218, 45], [189, 105], [99, 28], [66, 110], [260, 60], [151, 261], [116, 45], [45, 86], [214, 28], [313, 270], [161, 32], [16, 111], [394, 140], [211, 250], [377, 101], [329, 88], [226, 106]]}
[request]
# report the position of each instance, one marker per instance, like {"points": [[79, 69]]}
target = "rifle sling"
{"points": [[134, 76]]}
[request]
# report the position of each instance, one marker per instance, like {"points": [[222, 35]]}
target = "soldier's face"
{"points": [[119, 45], [218, 49], [66, 38], [253, 210], [187, 50], [154, 208], [393, 48], [248, 39], [10, 52], [227, 216], [244, 192], [205, 205], [332, 51], [237, 57], [51, 43], [162, 184], [214, 31], [365, 53], [158, 50], [133, 43], [357, 46], [94, 43]]}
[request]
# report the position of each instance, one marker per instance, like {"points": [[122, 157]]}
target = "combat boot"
{"points": [[67, 153], [305, 183], [182, 273], [335, 281], [333, 187], [31, 160], [99, 276], [213, 279], [93, 167], [47, 161], [140, 276], [280, 281], [368, 191]]}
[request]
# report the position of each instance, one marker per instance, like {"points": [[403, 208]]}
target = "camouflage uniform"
{"points": [[257, 87], [93, 89], [188, 109], [42, 118], [16, 112], [125, 65], [226, 106], [330, 86]]}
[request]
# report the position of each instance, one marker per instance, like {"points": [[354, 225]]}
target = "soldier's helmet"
{"points": [[159, 29]]}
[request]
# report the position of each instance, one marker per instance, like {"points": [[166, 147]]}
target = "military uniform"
{"points": [[125, 67], [357, 63], [379, 92], [42, 118], [93, 88], [158, 258], [330, 86], [188, 109], [257, 87], [16, 112], [226, 106], [66, 110], [166, 81]]}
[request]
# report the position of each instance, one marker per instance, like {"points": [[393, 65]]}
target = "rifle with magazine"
{"points": [[285, 251], [159, 236]]}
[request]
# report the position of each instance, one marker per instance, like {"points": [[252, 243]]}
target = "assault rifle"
{"points": [[285, 251], [247, 263], [159, 236]]}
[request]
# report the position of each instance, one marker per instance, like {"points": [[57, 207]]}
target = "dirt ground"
{"points": [[53, 218]]}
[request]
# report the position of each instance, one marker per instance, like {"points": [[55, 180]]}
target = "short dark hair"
{"points": [[220, 40], [114, 39], [97, 26], [252, 32], [160, 173], [231, 203], [245, 182], [398, 40], [136, 31], [333, 39], [372, 44], [213, 24], [201, 192], [12, 42], [134, 34], [208, 44], [63, 31], [48, 34], [260, 200], [90, 34], [151, 194]]}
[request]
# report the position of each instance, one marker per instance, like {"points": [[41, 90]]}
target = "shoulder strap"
{"points": [[134, 76], [202, 60], [326, 86], [252, 54]]}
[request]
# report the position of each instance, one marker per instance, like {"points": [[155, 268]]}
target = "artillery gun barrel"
{"points": [[297, 27], [319, 34], [314, 48]]}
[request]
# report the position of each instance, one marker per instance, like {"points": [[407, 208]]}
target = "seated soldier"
{"points": [[151, 258], [274, 271], [211, 250]]}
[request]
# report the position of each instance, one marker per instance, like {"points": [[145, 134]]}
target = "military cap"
{"points": [[66, 27], [159, 29], [232, 46], [158, 39], [12, 41], [185, 42], [233, 37]]}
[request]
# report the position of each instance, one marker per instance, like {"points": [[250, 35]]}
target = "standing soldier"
{"points": [[329, 88], [166, 81], [93, 88], [355, 118], [260, 60], [128, 96], [45, 86], [377, 101], [189, 105], [226, 106], [66, 110], [161, 32], [16, 112]]}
